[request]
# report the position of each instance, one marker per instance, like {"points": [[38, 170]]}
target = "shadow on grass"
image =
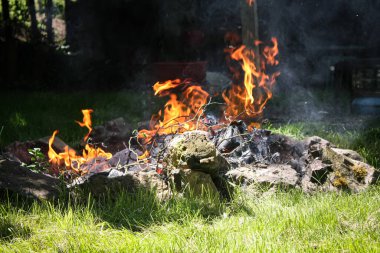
{"points": [[139, 210], [10, 229], [134, 211]]}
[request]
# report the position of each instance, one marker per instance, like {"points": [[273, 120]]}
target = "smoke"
{"points": [[313, 37]]}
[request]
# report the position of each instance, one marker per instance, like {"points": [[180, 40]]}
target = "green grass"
{"points": [[283, 222], [29, 116]]}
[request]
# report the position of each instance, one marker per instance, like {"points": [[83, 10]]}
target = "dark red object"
{"points": [[164, 71]]}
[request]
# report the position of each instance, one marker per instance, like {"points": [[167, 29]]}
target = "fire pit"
{"points": [[189, 146]]}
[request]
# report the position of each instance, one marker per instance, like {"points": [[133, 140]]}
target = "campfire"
{"points": [[208, 142], [186, 110]]}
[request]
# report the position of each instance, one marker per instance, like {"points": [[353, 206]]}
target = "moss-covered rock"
{"points": [[193, 183], [193, 150], [347, 173]]}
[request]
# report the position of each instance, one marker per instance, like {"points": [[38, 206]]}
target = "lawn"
{"points": [[28, 116], [287, 221], [283, 222]]}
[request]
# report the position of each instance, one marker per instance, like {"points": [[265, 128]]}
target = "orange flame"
{"points": [[162, 88], [177, 114], [249, 101], [69, 158], [86, 122]]}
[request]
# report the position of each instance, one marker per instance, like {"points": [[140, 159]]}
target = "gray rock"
{"points": [[332, 169], [153, 181], [349, 153], [316, 140], [274, 174], [20, 180], [241, 175], [115, 181], [347, 173], [277, 174]]}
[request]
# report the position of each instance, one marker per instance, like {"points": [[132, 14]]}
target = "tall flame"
{"points": [[86, 122], [249, 100], [69, 158]]}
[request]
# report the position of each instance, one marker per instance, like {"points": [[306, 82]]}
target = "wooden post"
{"points": [[250, 27]]}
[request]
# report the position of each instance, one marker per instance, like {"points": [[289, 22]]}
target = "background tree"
{"points": [[35, 35], [49, 21], [6, 19]]}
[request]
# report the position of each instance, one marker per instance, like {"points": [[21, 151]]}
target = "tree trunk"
{"points": [[68, 8], [49, 21], [6, 19], [250, 27], [33, 19]]}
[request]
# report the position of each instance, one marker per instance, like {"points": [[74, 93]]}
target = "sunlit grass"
{"points": [[284, 222]]}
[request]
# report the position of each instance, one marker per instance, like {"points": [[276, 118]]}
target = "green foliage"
{"points": [[17, 120], [39, 162], [18, 11]]}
